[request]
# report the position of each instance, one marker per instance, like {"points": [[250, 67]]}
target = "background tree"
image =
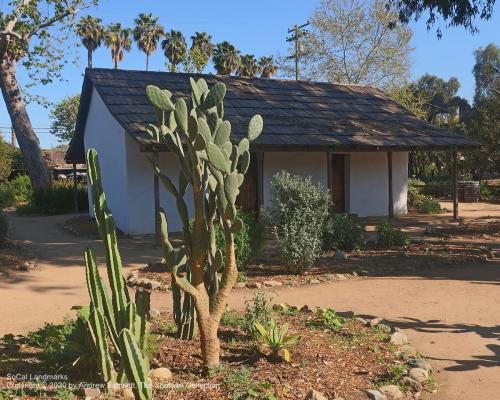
{"points": [[201, 50], [118, 40], [268, 67], [31, 33], [175, 49], [226, 58], [147, 34], [351, 42], [453, 12], [249, 66], [63, 117], [7, 156], [91, 32]]}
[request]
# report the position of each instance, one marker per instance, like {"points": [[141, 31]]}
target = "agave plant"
{"points": [[276, 339]]}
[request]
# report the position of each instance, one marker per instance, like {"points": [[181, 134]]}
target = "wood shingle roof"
{"points": [[297, 114]]}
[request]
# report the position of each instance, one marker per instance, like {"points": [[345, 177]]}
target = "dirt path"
{"points": [[451, 316]]}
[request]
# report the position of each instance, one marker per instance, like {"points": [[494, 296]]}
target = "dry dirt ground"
{"points": [[450, 314]]}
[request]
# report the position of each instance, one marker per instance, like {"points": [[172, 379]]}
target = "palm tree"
{"points": [[249, 66], [201, 50], [147, 34], [268, 67], [175, 48], [118, 40], [91, 32], [226, 58]]}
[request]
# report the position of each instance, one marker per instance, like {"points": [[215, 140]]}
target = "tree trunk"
{"points": [[89, 58], [116, 63], [147, 62], [28, 141]]}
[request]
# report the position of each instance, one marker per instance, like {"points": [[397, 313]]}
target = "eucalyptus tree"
{"points": [[118, 39], [147, 33], [31, 35], [175, 49], [267, 67], [226, 58], [91, 32], [201, 50], [249, 66]]}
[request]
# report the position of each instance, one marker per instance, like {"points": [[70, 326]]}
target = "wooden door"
{"points": [[338, 182], [248, 198]]}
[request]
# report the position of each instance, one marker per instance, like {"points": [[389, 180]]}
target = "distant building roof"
{"points": [[297, 114]]}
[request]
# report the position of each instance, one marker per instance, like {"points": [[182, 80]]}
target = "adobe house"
{"points": [[352, 139]]}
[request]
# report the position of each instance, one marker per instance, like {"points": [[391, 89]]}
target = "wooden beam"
{"points": [[260, 179], [454, 185], [389, 170], [75, 190], [156, 183]]}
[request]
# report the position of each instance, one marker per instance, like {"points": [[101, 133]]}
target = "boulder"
{"points": [[272, 283], [314, 281], [91, 393], [399, 338], [384, 328], [163, 374], [419, 374], [392, 392], [376, 395], [412, 383], [362, 320], [340, 255], [407, 351], [375, 321], [240, 285], [254, 285], [420, 363], [315, 395], [153, 313], [155, 284]]}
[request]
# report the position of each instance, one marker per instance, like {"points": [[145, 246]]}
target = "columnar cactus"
{"points": [[113, 317], [214, 168]]}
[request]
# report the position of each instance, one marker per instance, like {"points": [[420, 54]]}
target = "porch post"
{"points": [[75, 190], [260, 180], [454, 186], [329, 172], [157, 200], [389, 171], [389, 168]]}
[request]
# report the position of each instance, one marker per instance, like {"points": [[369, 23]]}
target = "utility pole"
{"points": [[297, 33]]}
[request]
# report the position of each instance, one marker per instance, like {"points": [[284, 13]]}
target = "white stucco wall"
{"points": [[106, 135], [313, 164], [141, 190], [369, 183]]}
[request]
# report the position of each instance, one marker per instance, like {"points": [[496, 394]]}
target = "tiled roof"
{"points": [[297, 114]]}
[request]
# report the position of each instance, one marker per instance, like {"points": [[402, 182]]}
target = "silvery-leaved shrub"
{"points": [[297, 215]]}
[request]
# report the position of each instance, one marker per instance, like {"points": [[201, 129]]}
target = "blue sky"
{"points": [[258, 27]]}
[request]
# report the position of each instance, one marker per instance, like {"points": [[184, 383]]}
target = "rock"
{"points": [[305, 309], [384, 328], [163, 374], [155, 284], [153, 313], [254, 285], [416, 395], [91, 393], [412, 383], [315, 395], [272, 283], [314, 281], [419, 374], [399, 338], [362, 320], [420, 363], [240, 285], [375, 395], [26, 266], [340, 255], [128, 394], [375, 321], [407, 351], [392, 392]]}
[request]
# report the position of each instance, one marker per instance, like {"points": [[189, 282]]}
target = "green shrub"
{"points": [[4, 228], [297, 215], [232, 319], [7, 196], [437, 188], [257, 310], [328, 319], [248, 241], [389, 235], [343, 232], [22, 188], [57, 200], [428, 205], [414, 190], [276, 339]]}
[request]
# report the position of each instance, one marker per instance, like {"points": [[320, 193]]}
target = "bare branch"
{"points": [[53, 20]]}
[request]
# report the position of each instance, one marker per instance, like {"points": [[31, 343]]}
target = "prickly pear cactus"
{"points": [[213, 167]]}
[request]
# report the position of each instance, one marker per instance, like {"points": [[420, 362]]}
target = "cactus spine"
{"points": [[214, 168], [114, 318]]}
